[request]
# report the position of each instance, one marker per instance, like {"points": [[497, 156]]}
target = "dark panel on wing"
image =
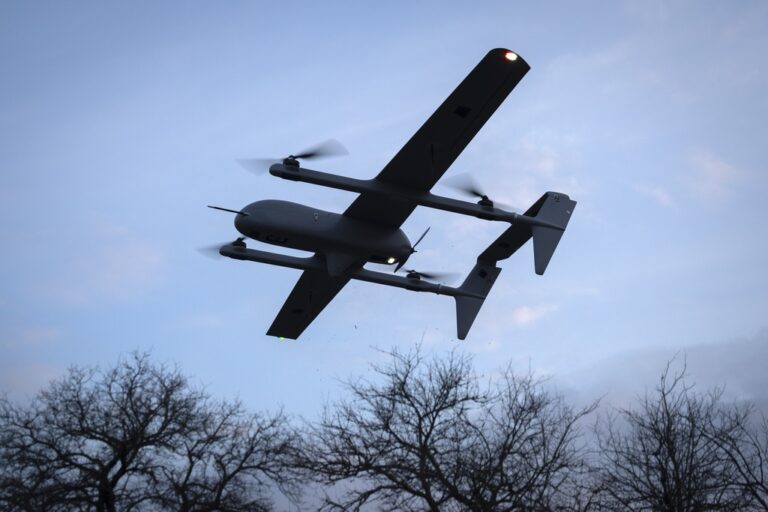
{"points": [[435, 146], [314, 290]]}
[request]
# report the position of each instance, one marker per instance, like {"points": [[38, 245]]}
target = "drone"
{"points": [[368, 231]]}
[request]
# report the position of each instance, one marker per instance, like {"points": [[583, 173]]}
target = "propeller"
{"points": [[466, 184], [413, 250], [431, 276], [329, 148], [212, 251]]}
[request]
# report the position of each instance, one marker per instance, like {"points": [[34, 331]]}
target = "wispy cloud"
{"points": [[540, 158], [518, 174], [28, 336], [202, 321], [658, 194], [583, 291], [126, 267], [548, 161], [650, 11], [525, 316], [711, 177], [25, 379], [120, 267], [736, 364], [496, 323]]}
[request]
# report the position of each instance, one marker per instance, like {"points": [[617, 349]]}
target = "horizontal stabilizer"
{"points": [[478, 282]]}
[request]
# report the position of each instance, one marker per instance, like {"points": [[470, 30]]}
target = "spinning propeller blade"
{"points": [[432, 276], [212, 251], [464, 183], [257, 165], [467, 185], [329, 148]]}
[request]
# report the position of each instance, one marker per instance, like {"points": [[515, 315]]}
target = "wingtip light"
{"points": [[511, 56]]}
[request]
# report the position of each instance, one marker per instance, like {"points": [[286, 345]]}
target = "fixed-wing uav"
{"points": [[369, 229]]}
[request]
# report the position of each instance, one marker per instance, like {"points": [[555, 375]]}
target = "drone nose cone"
{"points": [[242, 222]]}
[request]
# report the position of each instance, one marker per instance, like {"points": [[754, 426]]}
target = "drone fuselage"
{"points": [[305, 228]]}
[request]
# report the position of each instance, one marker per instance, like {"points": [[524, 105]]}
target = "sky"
{"points": [[122, 120]]}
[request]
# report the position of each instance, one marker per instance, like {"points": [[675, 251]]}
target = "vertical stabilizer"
{"points": [[478, 282], [545, 242], [555, 209]]}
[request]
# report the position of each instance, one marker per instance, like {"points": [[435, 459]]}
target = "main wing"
{"points": [[416, 167], [437, 144], [314, 290]]}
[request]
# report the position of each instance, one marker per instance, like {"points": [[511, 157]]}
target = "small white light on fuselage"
{"points": [[391, 260], [510, 56]]}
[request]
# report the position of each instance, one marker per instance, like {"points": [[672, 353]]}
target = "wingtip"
{"points": [[509, 56]]}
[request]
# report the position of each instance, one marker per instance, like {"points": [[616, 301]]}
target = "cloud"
{"points": [[711, 177], [658, 194], [126, 267], [29, 337], [37, 335], [518, 174], [202, 321], [525, 316], [538, 156], [650, 11], [583, 291], [25, 379], [738, 365], [496, 322], [121, 267]]}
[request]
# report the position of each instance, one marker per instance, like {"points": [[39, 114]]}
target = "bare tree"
{"points": [[525, 452], [230, 463], [425, 435], [745, 443], [662, 456], [114, 440]]}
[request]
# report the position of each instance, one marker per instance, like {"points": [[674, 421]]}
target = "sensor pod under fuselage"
{"points": [[309, 229]]}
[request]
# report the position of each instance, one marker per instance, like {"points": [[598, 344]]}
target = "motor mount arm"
{"points": [[361, 274], [424, 199]]}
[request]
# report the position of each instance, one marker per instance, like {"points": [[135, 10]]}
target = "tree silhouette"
{"points": [[665, 454], [425, 435], [416, 434], [134, 437], [745, 444]]}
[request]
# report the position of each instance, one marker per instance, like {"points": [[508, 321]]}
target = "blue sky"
{"points": [[121, 121]]}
